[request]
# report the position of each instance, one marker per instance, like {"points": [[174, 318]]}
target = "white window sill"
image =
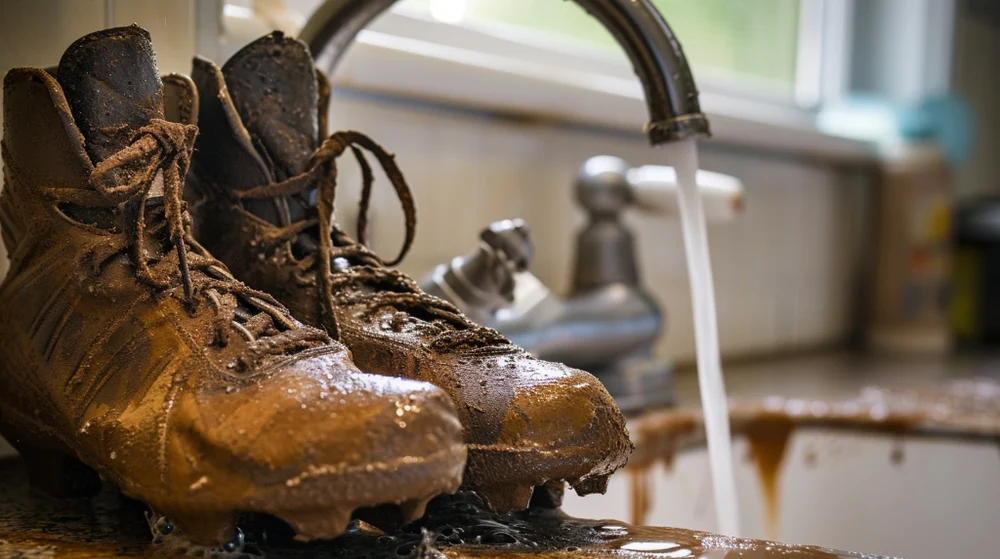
{"points": [[411, 57]]}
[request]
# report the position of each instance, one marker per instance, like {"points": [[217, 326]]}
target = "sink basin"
{"points": [[907, 486]]}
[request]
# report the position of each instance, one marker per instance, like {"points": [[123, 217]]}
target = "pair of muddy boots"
{"points": [[128, 350]]}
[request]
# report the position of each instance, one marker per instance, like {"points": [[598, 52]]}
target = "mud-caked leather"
{"points": [[127, 350], [259, 172]]}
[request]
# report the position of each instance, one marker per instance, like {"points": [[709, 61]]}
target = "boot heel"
{"points": [[58, 475]]}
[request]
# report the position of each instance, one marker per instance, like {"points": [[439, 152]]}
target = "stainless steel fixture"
{"points": [[671, 96], [608, 324]]}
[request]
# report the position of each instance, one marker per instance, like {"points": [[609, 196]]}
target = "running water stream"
{"points": [[683, 155]]}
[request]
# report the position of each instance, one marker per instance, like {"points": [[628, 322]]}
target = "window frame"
{"points": [[822, 57], [515, 71]]}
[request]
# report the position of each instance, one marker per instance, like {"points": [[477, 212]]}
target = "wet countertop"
{"points": [[454, 527]]}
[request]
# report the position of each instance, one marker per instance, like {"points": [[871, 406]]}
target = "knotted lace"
{"points": [[356, 263], [124, 182]]}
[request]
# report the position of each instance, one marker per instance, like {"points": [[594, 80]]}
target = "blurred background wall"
{"points": [[977, 42]]}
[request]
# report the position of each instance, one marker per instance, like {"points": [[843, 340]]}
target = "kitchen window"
{"points": [[749, 43], [784, 51], [762, 66]]}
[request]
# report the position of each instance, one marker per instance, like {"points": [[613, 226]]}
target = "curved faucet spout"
{"points": [[671, 96]]}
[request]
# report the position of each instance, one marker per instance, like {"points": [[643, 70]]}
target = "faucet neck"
{"points": [[656, 55], [605, 254]]}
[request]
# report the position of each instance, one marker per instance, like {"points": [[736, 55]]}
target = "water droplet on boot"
{"points": [[163, 526], [236, 544]]}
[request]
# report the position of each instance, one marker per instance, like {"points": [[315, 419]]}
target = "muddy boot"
{"points": [[266, 176], [127, 350]]}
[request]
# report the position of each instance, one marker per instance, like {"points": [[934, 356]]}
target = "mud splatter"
{"points": [[768, 438], [641, 484]]}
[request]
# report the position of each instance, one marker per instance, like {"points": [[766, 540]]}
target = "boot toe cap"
{"points": [[564, 410], [316, 432], [559, 424]]}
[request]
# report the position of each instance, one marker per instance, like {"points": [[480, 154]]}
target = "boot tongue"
{"points": [[272, 82], [112, 86]]}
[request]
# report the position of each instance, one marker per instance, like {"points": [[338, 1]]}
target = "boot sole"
{"points": [[336, 492], [317, 504], [511, 486]]}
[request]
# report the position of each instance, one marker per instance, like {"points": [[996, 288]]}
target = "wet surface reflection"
{"points": [[457, 526]]}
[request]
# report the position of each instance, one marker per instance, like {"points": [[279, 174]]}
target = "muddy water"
{"points": [[768, 440], [641, 487], [454, 527]]}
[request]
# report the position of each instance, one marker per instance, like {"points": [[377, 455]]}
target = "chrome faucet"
{"points": [[608, 324], [671, 96], [496, 273]]}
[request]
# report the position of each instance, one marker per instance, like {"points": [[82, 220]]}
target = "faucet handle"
{"points": [[606, 186], [484, 279], [511, 241], [654, 190], [602, 186]]}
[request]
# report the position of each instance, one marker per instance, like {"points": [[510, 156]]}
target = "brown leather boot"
{"points": [[127, 350], [267, 180]]}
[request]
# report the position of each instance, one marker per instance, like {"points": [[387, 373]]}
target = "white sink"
{"points": [[910, 497]]}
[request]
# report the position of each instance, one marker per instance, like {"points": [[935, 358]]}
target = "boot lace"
{"points": [[123, 183], [343, 263]]}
